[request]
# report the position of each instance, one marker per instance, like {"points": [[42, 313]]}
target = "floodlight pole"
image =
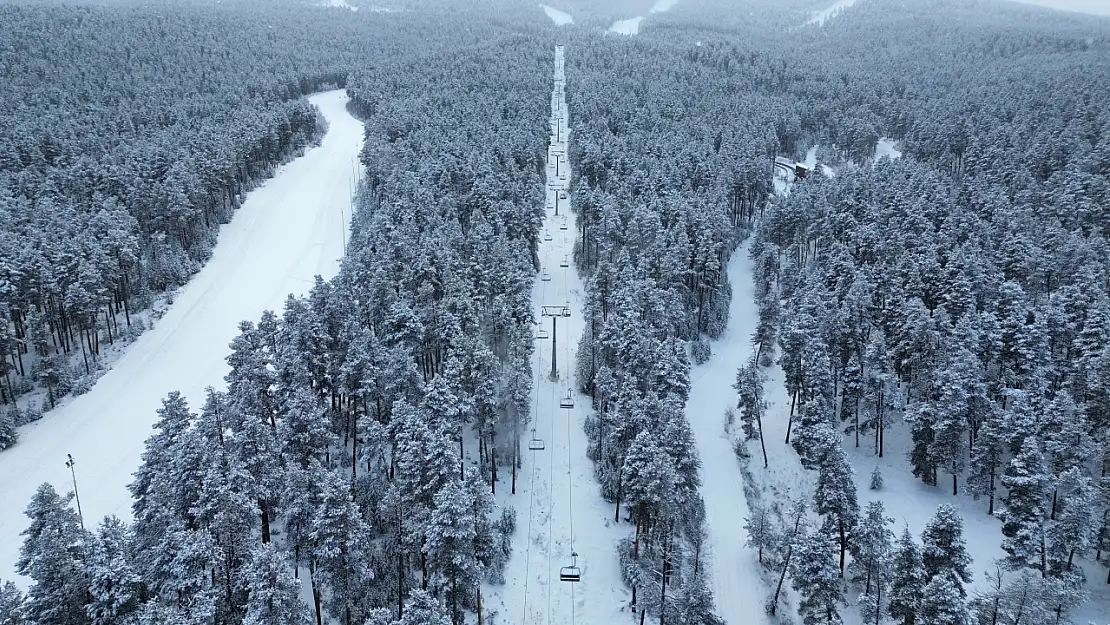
{"points": [[70, 463]]}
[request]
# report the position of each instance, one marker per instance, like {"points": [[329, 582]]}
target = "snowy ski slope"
{"points": [[287, 231], [559, 508]]}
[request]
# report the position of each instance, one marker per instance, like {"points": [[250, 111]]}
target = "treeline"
{"points": [[363, 432], [962, 290], [132, 133]]}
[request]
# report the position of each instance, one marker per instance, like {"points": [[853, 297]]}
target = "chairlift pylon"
{"points": [[571, 573]]}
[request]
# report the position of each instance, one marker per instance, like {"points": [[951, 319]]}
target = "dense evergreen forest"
{"points": [[962, 290], [113, 184]]}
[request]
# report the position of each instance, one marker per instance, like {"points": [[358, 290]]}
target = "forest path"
{"points": [[737, 586], [289, 229], [559, 508]]}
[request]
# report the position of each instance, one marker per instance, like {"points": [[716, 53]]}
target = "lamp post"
{"points": [[70, 463]]}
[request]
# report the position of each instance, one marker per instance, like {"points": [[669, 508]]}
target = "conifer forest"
{"points": [[588, 312]]}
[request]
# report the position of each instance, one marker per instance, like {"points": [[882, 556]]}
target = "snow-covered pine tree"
{"points": [[8, 434], [55, 555], [423, 609], [907, 582], [943, 547], [341, 550], [1025, 508], [872, 550], [11, 604], [1071, 532], [273, 593], [816, 578], [115, 587], [834, 497], [986, 459], [452, 532], [942, 602], [760, 526], [876, 479], [749, 388]]}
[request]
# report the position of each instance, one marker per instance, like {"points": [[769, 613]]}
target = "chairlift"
{"points": [[564, 263], [571, 573], [546, 236], [542, 334], [568, 400], [546, 277], [535, 444], [563, 226]]}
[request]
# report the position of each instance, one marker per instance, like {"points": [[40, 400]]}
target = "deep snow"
{"points": [[631, 26], [561, 18], [820, 17], [289, 229], [737, 587], [558, 505]]}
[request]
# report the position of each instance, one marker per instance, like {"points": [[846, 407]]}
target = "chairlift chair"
{"points": [[546, 277], [564, 263], [568, 400], [563, 226], [542, 334], [547, 236], [571, 573], [535, 444]]}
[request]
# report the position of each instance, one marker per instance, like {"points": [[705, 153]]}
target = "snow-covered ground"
{"points": [[662, 6], [340, 3], [559, 508], [737, 586], [289, 229], [736, 571], [631, 26], [820, 17], [885, 148], [561, 18]]}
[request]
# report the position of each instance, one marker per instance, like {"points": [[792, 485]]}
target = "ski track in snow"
{"points": [[559, 508], [561, 18], [737, 585], [289, 229], [820, 17]]}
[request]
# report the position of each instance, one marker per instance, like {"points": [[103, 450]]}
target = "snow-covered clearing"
{"points": [[341, 4], [820, 17], [737, 586], [289, 229], [662, 6], [885, 148], [631, 26], [559, 508], [561, 18]]}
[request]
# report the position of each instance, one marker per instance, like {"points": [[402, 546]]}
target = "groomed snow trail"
{"points": [[737, 587], [631, 26], [288, 230], [561, 18], [559, 508]]}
